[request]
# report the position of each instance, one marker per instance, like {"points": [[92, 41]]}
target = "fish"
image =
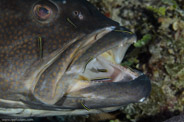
{"points": [[63, 57]]}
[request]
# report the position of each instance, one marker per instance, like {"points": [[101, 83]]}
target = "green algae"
{"points": [[161, 11], [145, 40]]}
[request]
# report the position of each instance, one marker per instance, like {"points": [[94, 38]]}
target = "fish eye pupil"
{"points": [[43, 10], [76, 13]]}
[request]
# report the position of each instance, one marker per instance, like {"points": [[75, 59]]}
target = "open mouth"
{"points": [[99, 80], [105, 64], [104, 69]]}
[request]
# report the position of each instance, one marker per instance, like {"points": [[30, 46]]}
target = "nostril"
{"points": [[76, 13]]}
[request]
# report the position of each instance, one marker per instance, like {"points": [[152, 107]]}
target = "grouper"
{"points": [[63, 57]]}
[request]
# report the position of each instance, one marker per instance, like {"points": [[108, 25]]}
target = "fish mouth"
{"points": [[106, 67], [102, 60], [102, 81]]}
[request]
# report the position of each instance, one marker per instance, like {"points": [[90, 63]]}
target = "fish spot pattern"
{"points": [[19, 48]]}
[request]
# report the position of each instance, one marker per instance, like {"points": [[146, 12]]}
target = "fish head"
{"points": [[65, 54]]}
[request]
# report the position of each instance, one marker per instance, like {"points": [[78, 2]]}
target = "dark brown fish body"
{"points": [[47, 51]]}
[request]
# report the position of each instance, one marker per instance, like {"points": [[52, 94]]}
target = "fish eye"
{"points": [[42, 12]]}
